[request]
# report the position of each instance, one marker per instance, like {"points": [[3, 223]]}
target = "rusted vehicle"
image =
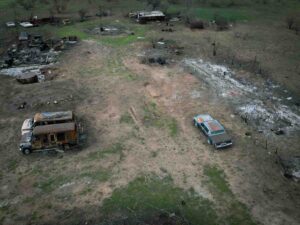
{"points": [[49, 137], [47, 118], [213, 130]]}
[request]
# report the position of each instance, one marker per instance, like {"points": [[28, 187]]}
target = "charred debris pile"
{"points": [[31, 57]]}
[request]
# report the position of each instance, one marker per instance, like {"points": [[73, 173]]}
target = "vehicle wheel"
{"points": [[209, 141], [26, 151]]}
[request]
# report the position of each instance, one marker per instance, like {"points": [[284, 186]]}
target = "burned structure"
{"points": [[145, 16]]}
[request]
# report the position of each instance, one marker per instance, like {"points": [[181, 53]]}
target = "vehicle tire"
{"points": [[26, 151], [209, 141]]}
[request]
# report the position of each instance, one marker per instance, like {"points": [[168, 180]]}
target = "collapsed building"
{"points": [[28, 59], [145, 16], [33, 50]]}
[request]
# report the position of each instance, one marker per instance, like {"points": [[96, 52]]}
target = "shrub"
{"points": [[290, 20], [196, 24], [221, 22]]}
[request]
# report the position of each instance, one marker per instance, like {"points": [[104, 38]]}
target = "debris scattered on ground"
{"points": [[247, 99], [279, 132], [23, 36], [17, 71], [26, 24], [156, 57], [10, 24], [162, 52], [34, 50], [291, 166], [32, 74], [168, 45], [109, 30], [22, 106], [27, 78], [167, 30]]}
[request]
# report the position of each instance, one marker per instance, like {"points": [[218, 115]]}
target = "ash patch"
{"points": [[109, 30], [257, 106]]}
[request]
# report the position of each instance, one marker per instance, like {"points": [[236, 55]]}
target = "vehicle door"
{"points": [[36, 142], [205, 129], [52, 139]]}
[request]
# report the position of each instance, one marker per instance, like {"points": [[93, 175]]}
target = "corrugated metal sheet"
{"points": [[54, 128], [53, 116]]}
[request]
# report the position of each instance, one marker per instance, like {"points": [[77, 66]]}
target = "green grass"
{"points": [[117, 41], [172, 126], [145, 198], [235, 212], [126, 118], [153, 117], [231, 14], [98, 175], [115, 148], [80, 30], [86, 191], [5, 3], [12, 165], [114, 66], [50, 184], [29, 200], [217, 179], [89, 72]]}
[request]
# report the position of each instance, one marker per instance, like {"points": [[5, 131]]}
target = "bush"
{"points": [[221, 22], [196, 24], [290, 20]]}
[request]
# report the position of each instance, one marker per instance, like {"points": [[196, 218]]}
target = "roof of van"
{"points": [[53, 116], [54, 128]]}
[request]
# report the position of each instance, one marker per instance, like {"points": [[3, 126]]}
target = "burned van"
{"points": [[47, 118], [49, 137]]}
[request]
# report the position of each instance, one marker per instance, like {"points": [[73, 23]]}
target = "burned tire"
{"points": [[26, 151]]}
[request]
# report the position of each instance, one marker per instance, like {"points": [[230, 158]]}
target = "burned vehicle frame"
{"points": [[54, 137]]}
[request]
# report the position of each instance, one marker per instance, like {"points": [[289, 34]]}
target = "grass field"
{"points": [[144, 159]]}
